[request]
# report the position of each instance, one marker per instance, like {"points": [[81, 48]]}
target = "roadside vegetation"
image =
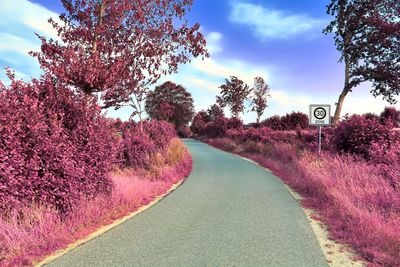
{"points": [[65, 168], [353, 184]]}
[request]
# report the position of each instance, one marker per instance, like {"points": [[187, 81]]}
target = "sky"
{"points": [[279, 40]]}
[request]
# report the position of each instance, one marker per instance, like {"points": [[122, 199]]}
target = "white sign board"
{"points": [[320, 115]]}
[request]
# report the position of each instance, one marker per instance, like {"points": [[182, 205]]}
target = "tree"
{"points": [[215, 111], [367, 34], [119, 47], [233, 94], [259, 97], [170, 102], [199, 122]]}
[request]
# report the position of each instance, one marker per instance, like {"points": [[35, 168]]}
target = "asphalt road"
{"points": [[229, 212]]}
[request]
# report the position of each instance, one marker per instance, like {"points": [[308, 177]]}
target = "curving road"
{"points": [[229, 212]]}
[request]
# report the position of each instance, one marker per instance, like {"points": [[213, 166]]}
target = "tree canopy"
{"points": [[367, 34], [170, 102], [259, 96], [119, 47], [233, 94]]}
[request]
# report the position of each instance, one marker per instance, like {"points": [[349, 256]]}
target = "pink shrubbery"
{"points": [[54, 149], [57, 151], [42, 230], [288, 122], [354, 184]]}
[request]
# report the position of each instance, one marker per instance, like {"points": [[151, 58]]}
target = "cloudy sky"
{"points": [[279, 40]]}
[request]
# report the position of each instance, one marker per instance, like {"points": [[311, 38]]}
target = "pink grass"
{"points": [[360, 207], [42, 231]]}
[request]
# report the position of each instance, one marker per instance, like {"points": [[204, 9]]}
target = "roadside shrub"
{"points": [[356, 135], [160, 132], [216, 128], [387, 151], [390, 117], [274, 123], [294, 120], [55, 147], [234, 133], [137, 148], [184, 131], [288, 122], [226, 144], [255, 147], [371, 116], [199, 122], [233, 123], [255, 134]]}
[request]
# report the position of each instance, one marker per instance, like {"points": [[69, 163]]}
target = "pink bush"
{"points": [[161, 132], [136, 148], [356, 135], [216, 128], [42, 231], [184, 131], [199, 122], [390, 117], [288, 122], [54, 149]]}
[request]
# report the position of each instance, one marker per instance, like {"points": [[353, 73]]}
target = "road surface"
{"points": [[229, 212]]}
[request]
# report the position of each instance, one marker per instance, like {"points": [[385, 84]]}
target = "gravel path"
{"points": [[229, 212]]}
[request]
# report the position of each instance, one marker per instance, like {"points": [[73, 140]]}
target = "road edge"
{"points": [[107, 228]]}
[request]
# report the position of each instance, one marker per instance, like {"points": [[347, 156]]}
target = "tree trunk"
{"points": [[140, 121], [339, 106], [345, 91], [99, 23]]}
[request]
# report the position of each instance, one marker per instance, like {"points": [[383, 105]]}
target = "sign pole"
{"points": [[319, 138]]}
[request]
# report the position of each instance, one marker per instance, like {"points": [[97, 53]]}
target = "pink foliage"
{"points": [[288, 122], [136, 149], [184, 131], [390, 117], [357, 198], [199, 122], [54, 149], [42, 231], [161, 132], [356, 135]]}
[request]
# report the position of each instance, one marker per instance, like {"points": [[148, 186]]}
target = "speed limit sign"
{"points": [[320, 115]]}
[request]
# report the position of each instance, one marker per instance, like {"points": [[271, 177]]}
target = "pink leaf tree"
{"points": [[367, 34], [260, 92], [119, 48], [233, 94]]}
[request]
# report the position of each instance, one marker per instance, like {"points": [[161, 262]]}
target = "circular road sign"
{"points": [[320, 113]]}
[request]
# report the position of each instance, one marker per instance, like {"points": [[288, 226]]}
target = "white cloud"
{"points": [[24, 13], [213, 42], [9, 42], [231, 67], [19, 21], [287, 101], [201, 83], [272, 24]]}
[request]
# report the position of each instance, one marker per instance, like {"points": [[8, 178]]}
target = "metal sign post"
{"points": [[320, 115], [319, 139]]}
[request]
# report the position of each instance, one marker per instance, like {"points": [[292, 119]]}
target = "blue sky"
{"points": [[281, 41]]}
